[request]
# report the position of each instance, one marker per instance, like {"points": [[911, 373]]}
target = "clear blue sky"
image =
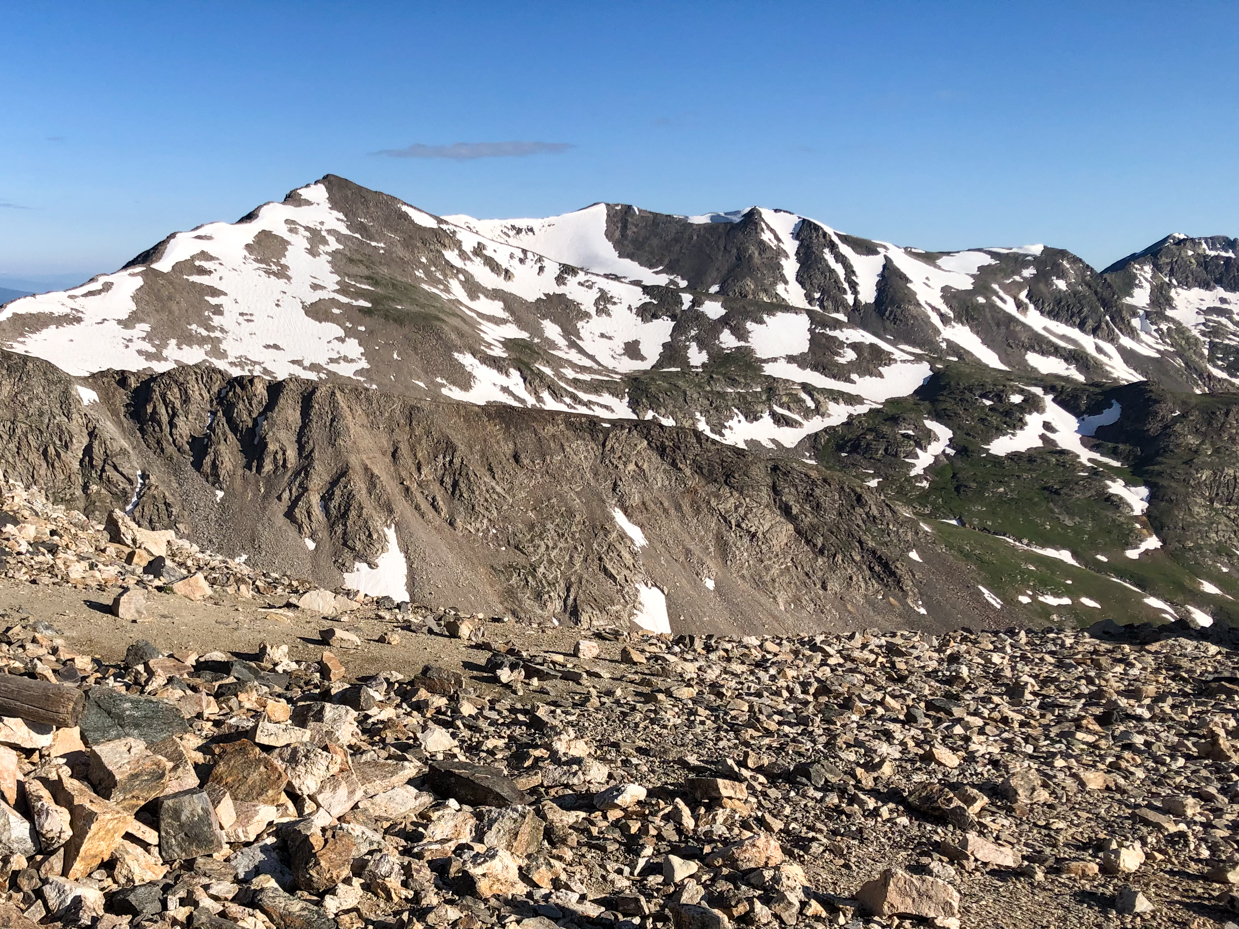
{"points": [[1095, 126]]}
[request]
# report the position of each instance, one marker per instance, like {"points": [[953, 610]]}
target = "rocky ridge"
{"points": [[1007, 778], [546, 515], [344, 382], [775, 325]]}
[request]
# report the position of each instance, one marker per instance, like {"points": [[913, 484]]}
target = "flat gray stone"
{"points": [[110, 714]]}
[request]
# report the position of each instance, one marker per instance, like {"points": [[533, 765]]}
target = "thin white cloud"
{"points": [[467, 151]]}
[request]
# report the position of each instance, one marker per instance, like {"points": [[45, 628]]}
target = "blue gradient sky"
{"points": [[1095, 126]]}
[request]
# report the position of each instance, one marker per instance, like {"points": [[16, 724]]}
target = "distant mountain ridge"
{"points": [[981, 421], [595, 311]]}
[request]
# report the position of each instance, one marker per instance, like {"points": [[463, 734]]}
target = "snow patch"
{"points": [[1088, 425], [578, 239], [388, 578], [1054, 424], [1161, 605], [925, 457], [965, 262], [1148, 545], [86, 394], [914, 556], [651, 611], [993, 600], [1136, 497], [1198, 618], [1054, 601], [1049, 364], [632, 531]]}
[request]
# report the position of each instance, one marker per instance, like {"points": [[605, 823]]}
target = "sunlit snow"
{"points": [[1148, 545], [651, 611], [1136, 497], [633, 531], [389, 576], [993, 600], [925, 457]]}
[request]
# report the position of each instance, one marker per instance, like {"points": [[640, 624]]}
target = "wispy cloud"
{"points": [[5, 205], [467, 151]]}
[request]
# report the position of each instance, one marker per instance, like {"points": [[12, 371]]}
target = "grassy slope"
{"points": [[1046, 498]]}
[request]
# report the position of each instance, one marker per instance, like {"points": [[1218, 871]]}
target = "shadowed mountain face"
{"points": [[591, 416]]}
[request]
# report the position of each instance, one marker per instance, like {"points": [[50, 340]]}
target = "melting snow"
{"points": [[914, 556], [709, 582], [633, 532], [965, 262], [994, 601], [1088, 425], [1160, 605], [896, 380], [1055, 424], [388, 578], [780, 335], [137, 493], [86, 394], [1085, 601], [258, 318], [578, 239], [1199, 618], [1148, 545], [1137, 497], [1048, 364], [925, 457], [1207, 587], [651, 611], [1054, 601], [310, 544]]}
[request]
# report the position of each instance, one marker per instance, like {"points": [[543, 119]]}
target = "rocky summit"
{"points": [[739, 422], [515, 776]]}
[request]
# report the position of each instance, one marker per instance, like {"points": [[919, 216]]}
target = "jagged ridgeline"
{"points": [[737, 421]]}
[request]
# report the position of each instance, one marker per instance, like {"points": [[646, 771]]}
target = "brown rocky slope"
{"points": [[869, 781], [494, 509]]}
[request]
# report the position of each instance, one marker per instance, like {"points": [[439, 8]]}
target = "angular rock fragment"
{"points": [[111, 715], [476, 785], [898, 893], [188, 826], [126, 772], [96, 825], [247, 773]]}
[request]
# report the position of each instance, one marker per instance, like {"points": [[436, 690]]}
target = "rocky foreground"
{"points": [[1011, 779]]}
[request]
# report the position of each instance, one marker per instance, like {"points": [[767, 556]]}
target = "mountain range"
{"points": [[734, 421]]}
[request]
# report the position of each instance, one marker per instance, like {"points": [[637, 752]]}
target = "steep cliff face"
{"points": [[1187, 449], [48, 439], [539, 513]]}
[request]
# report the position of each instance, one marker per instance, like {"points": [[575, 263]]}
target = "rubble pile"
{"points": [[1046, 778], [44, 543]]}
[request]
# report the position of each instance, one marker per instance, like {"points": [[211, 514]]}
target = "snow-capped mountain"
{"points": [[977, 430], [1186, 293], [757, 325]]}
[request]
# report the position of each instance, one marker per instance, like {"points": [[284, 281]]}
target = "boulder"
{"points": [[898, 893], [476, 785], [188, 826]]}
